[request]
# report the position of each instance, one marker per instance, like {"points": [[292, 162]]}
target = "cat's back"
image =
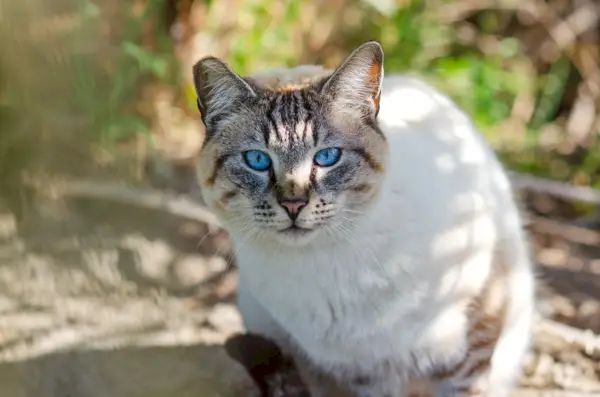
{"points": [[445, 189], [435, 150], [415, 112]]}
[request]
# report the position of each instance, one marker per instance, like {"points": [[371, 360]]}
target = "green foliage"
{"points": [[486, 82], [103, 97], [481, 66], [261, 43]]}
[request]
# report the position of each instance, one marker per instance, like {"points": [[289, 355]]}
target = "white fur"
{"points": [[444, 219]]}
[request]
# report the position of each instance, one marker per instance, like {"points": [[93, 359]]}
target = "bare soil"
{"points": [[99, 298]]}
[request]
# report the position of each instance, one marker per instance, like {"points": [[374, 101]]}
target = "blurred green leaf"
{"points": [[126, 127], [146, 61]]}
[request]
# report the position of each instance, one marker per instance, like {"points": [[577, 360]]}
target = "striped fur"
{"points": [[291, 119], [412, 275]]}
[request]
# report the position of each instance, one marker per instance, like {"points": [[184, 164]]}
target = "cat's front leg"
{"points": [[379, 381], [377, 387], [472, 375], [472, 380], [318, 381]]}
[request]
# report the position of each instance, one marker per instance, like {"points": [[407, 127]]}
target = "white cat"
{"points": [[376, 235]]}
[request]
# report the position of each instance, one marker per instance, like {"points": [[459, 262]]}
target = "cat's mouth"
{"points": [[295, 230], [296, 235]]}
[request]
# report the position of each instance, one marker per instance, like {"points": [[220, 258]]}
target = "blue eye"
{"points": [[328, 157], [257, 160]]}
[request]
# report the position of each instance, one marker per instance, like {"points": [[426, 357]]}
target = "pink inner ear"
{"points": [[374, 79]]}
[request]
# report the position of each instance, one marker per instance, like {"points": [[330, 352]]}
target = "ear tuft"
{"points": [[218, 89], [356, 85]]}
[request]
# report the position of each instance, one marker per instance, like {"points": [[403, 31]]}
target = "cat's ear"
{"points": [[218, 89], [356, 85]]}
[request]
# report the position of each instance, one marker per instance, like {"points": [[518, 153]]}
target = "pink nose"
{"points": [[293, 206]]}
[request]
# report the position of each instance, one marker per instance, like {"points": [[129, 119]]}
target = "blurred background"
{"points": [[103, 238]]}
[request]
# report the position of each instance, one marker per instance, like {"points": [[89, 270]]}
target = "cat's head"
{"points": [[292, 164]]}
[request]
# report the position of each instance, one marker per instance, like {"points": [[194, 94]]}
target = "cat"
{"points": [[377, 238]]}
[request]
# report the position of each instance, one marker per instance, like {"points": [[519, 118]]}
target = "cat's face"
{"points": [[292, 165]]}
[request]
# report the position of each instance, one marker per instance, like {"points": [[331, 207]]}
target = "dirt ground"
{"points": [[99, 298]]}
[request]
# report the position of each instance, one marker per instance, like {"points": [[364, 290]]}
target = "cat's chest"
{"points": [[330, 304]]}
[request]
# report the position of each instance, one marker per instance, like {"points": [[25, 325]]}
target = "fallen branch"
{"points": [[586, 341], [562, 190], [178, 205], [549, 393], [573, 233]]}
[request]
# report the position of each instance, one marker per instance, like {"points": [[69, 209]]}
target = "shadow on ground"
{"points": [[187, 371]]}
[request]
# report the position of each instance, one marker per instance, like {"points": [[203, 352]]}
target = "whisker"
{"points": [[238, 232], [234, 233], [208, 233], [250, 231], [354, 211]]}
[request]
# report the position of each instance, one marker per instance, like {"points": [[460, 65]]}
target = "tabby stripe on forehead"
{"points": [[308, 105], [271, 116], [374, 164], [301, 114], [290, 110], [305, 106], [295, 105]]}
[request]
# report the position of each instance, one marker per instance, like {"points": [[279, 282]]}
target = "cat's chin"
{"points": [[296, 236]]}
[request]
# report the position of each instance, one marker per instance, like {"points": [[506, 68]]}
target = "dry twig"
{"points": [[549, 393], [178, 205], [562, 190], [585, 341], [573, 233]]}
